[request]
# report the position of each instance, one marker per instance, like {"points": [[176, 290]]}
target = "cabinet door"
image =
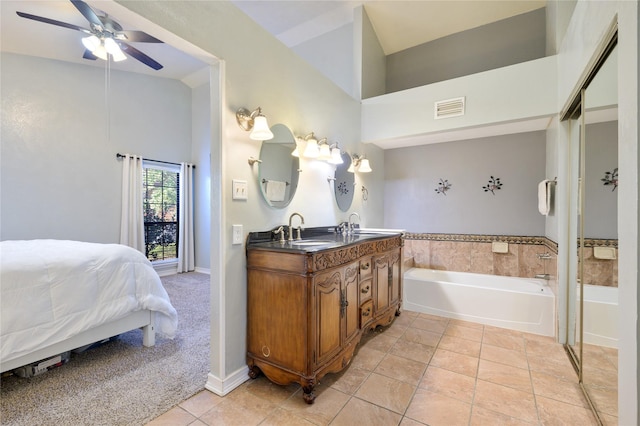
{"points": [[350, 311], [394, 277], [328, 298], [381, 281]]}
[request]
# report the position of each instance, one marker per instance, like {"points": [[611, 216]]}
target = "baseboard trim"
{"points": [[203, 270], [222, 387]]}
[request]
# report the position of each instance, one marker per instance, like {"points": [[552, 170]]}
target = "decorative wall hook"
{"points": [[443, 186], [493, 185]]}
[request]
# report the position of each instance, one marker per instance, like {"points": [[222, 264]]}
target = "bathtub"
{"points": [[600, 315], [515, 303]]}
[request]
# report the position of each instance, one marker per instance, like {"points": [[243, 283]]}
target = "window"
{"points": [[161, 199]]}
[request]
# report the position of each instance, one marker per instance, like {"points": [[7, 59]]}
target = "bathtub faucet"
{"points": [[543, 276]]}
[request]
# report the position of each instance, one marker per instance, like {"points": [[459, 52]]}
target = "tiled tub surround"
{"points": [[472, 253], [600, 271]]}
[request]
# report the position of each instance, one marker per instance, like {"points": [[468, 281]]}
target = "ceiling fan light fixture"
{"points": [[101, 52], [91, 43], [111, 46]]}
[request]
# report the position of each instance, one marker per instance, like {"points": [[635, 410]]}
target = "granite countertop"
{"points": [[318, 239]]}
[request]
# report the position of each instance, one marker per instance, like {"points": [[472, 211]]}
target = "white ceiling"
{"points": [[398, 24]]}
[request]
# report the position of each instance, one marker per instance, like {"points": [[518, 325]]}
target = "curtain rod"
{"points": [[118, 155]]}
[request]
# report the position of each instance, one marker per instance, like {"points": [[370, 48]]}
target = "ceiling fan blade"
{"points": [[52, 22], [88, 55], [87, 12], [135, 53], [139, 36]]}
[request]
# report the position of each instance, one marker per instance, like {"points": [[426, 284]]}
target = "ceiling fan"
{"points": [[105, 36]]}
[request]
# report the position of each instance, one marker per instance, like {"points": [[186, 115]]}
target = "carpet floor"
{"points": [[121, 382]]}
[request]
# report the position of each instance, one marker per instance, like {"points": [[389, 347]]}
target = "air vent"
{"points": [[449, 108]]}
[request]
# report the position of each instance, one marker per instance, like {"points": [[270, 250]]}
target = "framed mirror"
{"points": [[279, 170], [344, 183]]}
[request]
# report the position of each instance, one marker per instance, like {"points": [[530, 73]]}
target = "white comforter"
{"points": [[51, 290]]}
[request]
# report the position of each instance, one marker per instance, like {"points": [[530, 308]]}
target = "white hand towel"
{"points": [[544, 197], [276, 190]]}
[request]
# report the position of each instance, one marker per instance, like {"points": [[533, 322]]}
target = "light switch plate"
{"points": [[239, 189], [238, 234]]}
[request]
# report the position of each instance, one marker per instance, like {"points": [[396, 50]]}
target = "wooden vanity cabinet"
{"points": [[306, 311]]}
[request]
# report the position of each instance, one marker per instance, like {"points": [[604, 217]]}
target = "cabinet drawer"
{"points": [[365, 267], [365, 290], [366, 313]]}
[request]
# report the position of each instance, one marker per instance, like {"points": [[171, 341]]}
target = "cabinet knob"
{"points": [[365, 266], [365, 290], [366, 313]]}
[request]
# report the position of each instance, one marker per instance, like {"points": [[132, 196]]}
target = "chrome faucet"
{"points": [[351, 224], [291, 227]]}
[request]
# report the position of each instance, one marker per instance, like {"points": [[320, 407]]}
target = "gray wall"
{"points": [[506, 42], [412, 175], [201, 155], [601, 202], [60, 175]]}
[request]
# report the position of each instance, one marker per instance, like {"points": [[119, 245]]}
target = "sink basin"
{"points": [[310, 242]]}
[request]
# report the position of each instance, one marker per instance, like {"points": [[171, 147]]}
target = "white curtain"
{"points": [[186, 250], [132, 219]]}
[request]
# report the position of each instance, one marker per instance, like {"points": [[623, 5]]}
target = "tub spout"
{"points": [[542, 276]]}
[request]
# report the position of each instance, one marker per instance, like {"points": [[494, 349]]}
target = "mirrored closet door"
{"points": [[592, 301]]}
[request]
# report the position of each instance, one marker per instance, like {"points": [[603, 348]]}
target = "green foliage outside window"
{"points": [[161, 197]]}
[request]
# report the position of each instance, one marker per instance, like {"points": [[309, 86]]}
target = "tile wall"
{"points": [[472, 253]]}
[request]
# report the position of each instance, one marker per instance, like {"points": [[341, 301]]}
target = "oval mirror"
{"points": [[279, 170], [344, 183]]}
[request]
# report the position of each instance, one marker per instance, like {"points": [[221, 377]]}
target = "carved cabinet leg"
{"points": [[254, 371], [308, 395]]}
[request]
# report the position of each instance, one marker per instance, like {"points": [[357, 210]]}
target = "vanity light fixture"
{"points": [[336, 154], [311, 150], [359, 164], [256, 122], [325, 150]]}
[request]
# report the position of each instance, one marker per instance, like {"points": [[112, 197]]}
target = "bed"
{"points": [[59, 295]]}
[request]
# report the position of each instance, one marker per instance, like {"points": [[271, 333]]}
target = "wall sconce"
{"points": [[311, 150], [360, 164], [254, 120], [336, 154]]}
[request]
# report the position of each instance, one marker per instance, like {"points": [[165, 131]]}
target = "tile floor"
{"points": [[421, 370]]}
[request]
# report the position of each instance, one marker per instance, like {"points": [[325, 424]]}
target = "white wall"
{"points": [[509, 94], [60, 136]]}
